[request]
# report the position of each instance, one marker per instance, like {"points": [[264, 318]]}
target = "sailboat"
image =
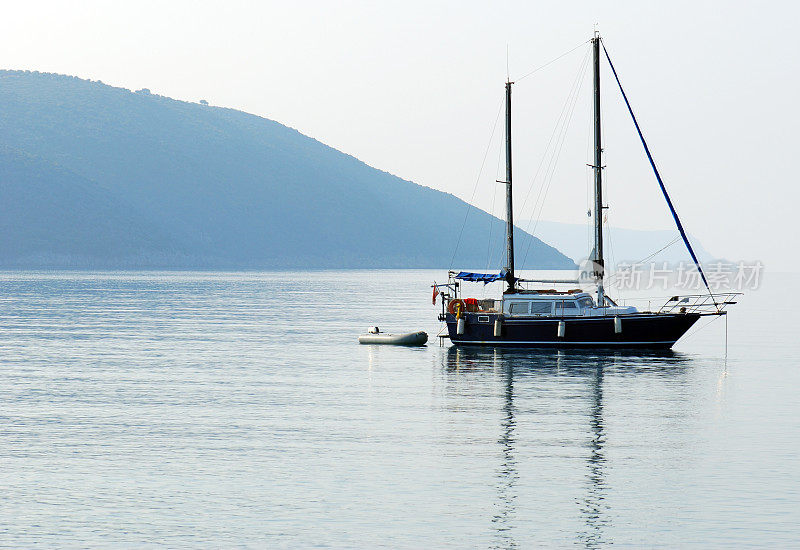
{"points": [[528, 317]]}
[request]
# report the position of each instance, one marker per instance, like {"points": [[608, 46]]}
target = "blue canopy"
{"points": [[481, 277]]}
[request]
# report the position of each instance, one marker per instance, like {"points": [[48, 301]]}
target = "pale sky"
{"points": [[413, 88]]}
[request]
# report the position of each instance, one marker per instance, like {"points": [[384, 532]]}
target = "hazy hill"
{"points": [[97, 176]]}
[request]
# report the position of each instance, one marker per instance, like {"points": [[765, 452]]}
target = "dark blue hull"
{"points": [[644, 331]]}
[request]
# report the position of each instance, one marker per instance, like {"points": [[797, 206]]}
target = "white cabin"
{"points": [[575, 304]]}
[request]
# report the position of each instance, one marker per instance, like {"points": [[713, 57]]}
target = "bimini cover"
{"points": [[481, 277]]}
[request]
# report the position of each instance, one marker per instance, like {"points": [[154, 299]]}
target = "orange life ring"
{"points": [[451, 307]]}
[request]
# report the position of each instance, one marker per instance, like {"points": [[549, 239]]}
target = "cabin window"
{"points": [[483, 318], [586, 302], [567, 308], [542, 308], [518, 308]]}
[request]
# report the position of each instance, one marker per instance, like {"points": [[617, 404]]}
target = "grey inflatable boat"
{"points": [[375, 336]]}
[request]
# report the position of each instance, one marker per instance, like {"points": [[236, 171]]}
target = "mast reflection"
{"points": [[509, 367], [507, 474], [593, 507]]}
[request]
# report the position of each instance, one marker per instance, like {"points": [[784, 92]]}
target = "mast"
{"points": [[597, 256], [509, 206]]}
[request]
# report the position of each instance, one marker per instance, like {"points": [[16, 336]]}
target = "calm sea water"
{"points": [[237, 410]]}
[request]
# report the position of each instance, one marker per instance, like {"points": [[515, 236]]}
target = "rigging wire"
{"points": [[551, 169], [550, 174], [701, 327], [539, 68], [589, 174], [496, 219], [673, 241], [486, 153], [588, 170], [612, 256], [475, 187], [554, 138], [653, 255], [493, 219], [658, 177], [491, 227], [604, 220]]}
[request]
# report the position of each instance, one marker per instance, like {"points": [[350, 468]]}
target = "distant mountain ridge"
{"points": [[97, 176]]}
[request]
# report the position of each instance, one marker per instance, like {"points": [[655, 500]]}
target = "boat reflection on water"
{"points": [[520, 370]]}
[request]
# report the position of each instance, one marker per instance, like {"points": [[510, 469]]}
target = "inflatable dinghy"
{"points": [[375, 336]]}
